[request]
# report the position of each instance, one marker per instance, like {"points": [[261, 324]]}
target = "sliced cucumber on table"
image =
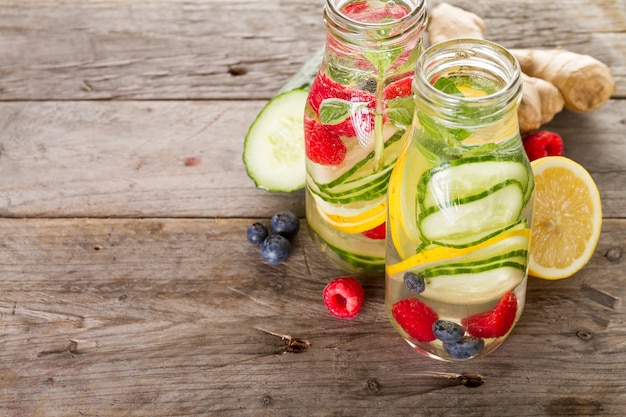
{"points": [[273, 152]]}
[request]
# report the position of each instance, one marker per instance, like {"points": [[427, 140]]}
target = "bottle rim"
{"points": [[467, 55], [415, 19]]}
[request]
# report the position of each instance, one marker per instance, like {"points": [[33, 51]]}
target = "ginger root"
{"points": [[541, 101], [552, 79], [449, 22], [585, 82]]}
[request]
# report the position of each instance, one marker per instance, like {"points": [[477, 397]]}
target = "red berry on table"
{"points": [[416, 318], [543, 143], [322, 145], [496, 322], [377, 233], [344, 297]]}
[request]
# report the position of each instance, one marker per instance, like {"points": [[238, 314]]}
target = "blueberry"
{"points": [[257, 233], [448, 331], [464, 348], [414, 282], [275, 249], [285, 223]]}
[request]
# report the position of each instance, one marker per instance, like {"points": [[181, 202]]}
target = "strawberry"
{"points": [[400, 88], [361, 12], [355, 8], [360, 122], [322, 145], [416, 318], [377, 233], [344, 297], [496, 322], [543, 143], [324, 87]]}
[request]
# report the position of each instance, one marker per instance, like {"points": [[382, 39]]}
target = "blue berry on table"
{"points": [[275, 249], [464, 348], [285, 223], [257, 232], [448, 331]]}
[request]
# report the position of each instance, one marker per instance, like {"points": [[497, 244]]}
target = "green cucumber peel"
{"points": [[437, 272], [471, 198], [434, 243], [355, 168], [469, 267]]}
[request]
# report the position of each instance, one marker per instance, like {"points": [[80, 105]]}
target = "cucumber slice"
{"points": [[465, 177], [365, 165], [366, 257], [273, 150], [478, 276], [474, 288], [471, 219]]}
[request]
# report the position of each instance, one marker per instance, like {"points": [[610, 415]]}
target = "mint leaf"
{"points": [[446, 86], [334, 111], [400, 110], [382, 60]]}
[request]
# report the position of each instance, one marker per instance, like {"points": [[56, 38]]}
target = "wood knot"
{"points": [[614, 254], [237, 71], [584, 335], [267, 400], [373, 385]]}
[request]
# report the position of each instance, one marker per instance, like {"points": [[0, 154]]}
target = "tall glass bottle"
{"points": [[459, 205], [359, 107]]}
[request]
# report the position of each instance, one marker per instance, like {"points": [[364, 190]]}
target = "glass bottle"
{"points": [[459, 205], [358, 110]]}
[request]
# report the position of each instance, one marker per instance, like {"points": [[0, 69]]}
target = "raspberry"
{"points": [[377, 233], [543, 143], [322, 146], [416, 318], [344, 297], [496, 322]]}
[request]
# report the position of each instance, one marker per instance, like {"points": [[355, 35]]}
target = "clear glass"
{"points": [[459, 205], [359, 108]]}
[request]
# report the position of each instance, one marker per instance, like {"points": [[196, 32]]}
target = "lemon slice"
{"points": [[442, 253], [357, 223], [401, 209], [567, 218]]}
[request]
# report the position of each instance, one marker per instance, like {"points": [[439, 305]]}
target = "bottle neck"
{"points": [[481, 63], [378, 41]]}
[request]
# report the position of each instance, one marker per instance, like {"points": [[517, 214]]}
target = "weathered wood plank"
{"points": [[163, 317], [161, 49], [127, 159]]}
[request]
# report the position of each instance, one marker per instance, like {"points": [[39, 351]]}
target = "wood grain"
{"points": [[161, 49], [163, 317], [127, 159], [127, 287]]}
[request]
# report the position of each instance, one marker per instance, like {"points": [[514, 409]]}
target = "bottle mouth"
{"points": [[351, 28], [468, 57]]}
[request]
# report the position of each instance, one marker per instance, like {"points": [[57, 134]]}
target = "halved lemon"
{"points": [[567, 218]]}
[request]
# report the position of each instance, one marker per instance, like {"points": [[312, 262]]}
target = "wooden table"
{"points": [[127, 287]]}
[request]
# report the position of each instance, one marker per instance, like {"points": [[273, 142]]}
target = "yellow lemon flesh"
{"points": [[567, 218]]}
